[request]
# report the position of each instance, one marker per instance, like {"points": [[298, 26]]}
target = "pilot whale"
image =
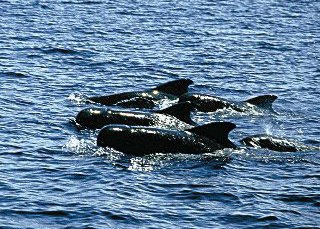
{"points": [[274, 143], [147, 98], [174, 117], [209, 103], [139, 141]]}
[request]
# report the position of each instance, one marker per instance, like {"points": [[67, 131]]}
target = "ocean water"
{"points": [[54, 53]]}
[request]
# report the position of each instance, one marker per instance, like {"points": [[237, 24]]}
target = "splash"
{"points": [[269, 129], [142, 164], [88, 147], [108, 153], [77, 98], [274, 129], [165, 103], [79, 146]]}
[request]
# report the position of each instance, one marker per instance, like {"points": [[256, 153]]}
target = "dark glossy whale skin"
{"points": [[137, 102], [209, 103], [139, 141], [273, 143], [174, 117], [147, 98]]}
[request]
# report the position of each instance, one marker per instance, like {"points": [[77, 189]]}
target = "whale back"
{"points": [[270, 142], [137, 102], [139, 141]]}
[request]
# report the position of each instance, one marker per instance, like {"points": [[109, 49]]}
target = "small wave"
{"points": [[114, 216], [59, 50], [45, 7], [241, 217], [268, 218], [312, 175], [15, 74], [82, 2], [165, 72], [317, 204], [311, 141], [202, 195], [20, 101], [286, 211], [48, 213], [273, 46], [33, 56], [299, 198]]}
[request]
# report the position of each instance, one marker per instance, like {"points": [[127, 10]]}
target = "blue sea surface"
{"points": [[53, 54]]}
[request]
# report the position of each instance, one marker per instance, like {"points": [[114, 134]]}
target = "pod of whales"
{"points": [[171, 130], [147, 98], [174, 117], [139, 141], [209, 103]]}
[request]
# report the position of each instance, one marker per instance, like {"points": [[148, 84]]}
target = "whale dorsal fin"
{"points": [[217, 131], [181, 111], [263, 101], [175, 87]]}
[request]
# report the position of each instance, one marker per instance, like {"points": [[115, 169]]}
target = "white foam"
{"points": [[77, 97]]}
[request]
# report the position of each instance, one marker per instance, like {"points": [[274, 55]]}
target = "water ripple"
{"points": [[56, 54]]}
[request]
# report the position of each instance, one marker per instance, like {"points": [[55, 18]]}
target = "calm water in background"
{"points": [[54, 53]]}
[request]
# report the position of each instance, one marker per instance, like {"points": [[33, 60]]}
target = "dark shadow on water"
{"points": [[59, 51]]}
